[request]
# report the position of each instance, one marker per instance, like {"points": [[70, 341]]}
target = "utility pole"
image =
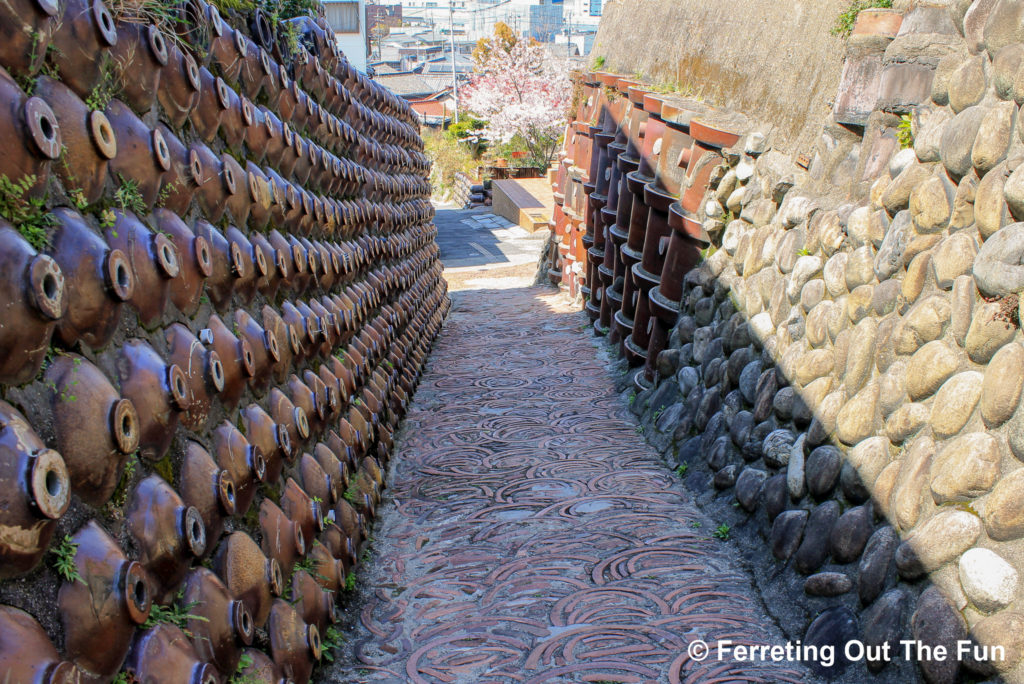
{"points": [[451, 34]]}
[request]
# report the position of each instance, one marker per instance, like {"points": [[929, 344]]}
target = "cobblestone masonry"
{"points": [[533, 535]]}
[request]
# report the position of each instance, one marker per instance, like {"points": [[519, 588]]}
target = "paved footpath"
{"points": [[533, 536]]}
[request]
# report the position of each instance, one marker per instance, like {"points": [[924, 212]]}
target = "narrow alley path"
{"points": [[533, 536]]}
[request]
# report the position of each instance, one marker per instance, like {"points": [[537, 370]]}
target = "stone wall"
{"points": [[838, 372], [219, 284]]}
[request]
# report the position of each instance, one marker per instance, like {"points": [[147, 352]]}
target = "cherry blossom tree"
{"points": [[520, 90]]}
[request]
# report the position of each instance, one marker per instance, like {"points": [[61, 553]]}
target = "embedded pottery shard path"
{"points": [[533, 535]]}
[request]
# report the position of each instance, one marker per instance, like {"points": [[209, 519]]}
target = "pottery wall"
{"points": [[219, 284]]}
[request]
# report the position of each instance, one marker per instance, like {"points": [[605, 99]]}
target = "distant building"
{"points": [[388, 15], [544, 21], [348, 19]]}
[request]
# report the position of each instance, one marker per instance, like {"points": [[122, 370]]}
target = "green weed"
{"points": [[681, 470], [845, 21], [27, 214], [64, 560], [176, 614], [722, 532], [905, 132]]}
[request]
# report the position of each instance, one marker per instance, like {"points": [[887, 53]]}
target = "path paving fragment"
{"points": [[534, 536]]}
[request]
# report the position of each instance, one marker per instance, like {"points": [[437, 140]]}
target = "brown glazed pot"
{"points": [[243, 462], [214, 186], [100, 613], [262, 669], [195, 259], [25, 25], [313, 603], [276, 265], [294, 645], [254, 265], [229, 264], [97, 280], [96, 430], [315, 480], [204, 379], [140, 55], [232, 129], [222, 625], [257, 131], [169, 534], [282, 538], [206, 114], [329, 572], [272, 440], [32, 289], [180, 82], [290, 416], [142, 153], [263, 345], [37, 492], [87, 137], [250, 576], [183, 178], [163, 654], [300, 507], [209, 489], [26, 653], [236, 357], [304, 398], [238, 198], [260, 196], [286, 341], [342, 546], [158, 390], [82, 40], [223, 48], [154, 263]]}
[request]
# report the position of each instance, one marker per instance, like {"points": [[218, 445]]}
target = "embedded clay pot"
{"points": [[243, 462], [254, 265], [282, 537], [262, 669], [209, 488], [263, 346], [179, 86], [274, 144], [290, 416], [32, 133], [168, 534], [329, 572], [228, 265], [159, 392], [255, 70], [257, 131], [215, 185], [206, 114], [250, 576], [276, 265], [96, 430], [37, 491], [238, 197], [33, 291], [26, 653], [142, 154], [222, 625], [315, 480], [87, 137], [204, 379], [286, 341], [81, 44], [260, 195], [294, 258], [195, 261], [305, 327], [97, 281], [141, 55], [314, 605], [153, 260], [300, 507], [232, 129], [272, 440], [236, 357], [100, 613], [180, 182], [25, 25], [304, 398], [294, 645], [223, 48], [163, 654]]}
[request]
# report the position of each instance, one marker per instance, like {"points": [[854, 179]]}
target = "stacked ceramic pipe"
{"points": [[218, 289], [626, 226]]}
